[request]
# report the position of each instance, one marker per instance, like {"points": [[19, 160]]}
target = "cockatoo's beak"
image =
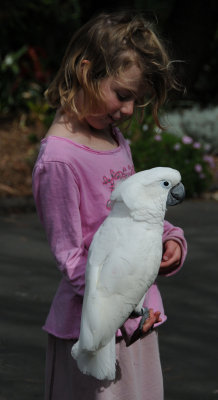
{"points": [[176, 195]]}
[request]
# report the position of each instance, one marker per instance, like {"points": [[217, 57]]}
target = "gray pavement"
{"points": [[188, 340]]}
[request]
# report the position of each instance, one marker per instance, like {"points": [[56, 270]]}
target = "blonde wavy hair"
{"points": [[111, 43]]}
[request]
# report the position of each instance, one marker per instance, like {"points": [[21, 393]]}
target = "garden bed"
{"points": [[17, 156], [19, 145]]}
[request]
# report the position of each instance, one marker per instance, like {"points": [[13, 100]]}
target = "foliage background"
{"points": [[34, 36]]}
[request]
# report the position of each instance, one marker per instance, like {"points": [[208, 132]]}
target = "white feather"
{"points": [[123, 262]]}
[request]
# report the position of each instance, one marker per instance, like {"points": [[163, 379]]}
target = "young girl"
{"points": [[114, 65]]}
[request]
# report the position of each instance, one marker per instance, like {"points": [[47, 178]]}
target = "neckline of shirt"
{"points": [[83, 147]]}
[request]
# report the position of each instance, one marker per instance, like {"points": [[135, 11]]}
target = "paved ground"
{"points": [[188, 341]]}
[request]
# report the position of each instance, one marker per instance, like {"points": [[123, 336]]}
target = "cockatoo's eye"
{"points": [[166, 184]]}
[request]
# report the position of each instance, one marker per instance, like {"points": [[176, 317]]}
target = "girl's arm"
{"points": [[57, 201]]}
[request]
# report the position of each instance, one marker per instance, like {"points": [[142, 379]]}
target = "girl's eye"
{"points": [[122, 97]]}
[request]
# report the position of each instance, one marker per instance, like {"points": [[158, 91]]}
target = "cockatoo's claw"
{"points": [[145, 314]]}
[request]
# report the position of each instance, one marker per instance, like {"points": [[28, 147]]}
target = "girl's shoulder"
{"points": [[56, 158], [56, 148]]}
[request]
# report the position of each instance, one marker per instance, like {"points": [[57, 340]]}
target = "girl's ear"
{"points": [[83, 62], [84, 65]]}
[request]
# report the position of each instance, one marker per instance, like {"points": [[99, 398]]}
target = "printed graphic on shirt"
{"points": [[117, 176]]}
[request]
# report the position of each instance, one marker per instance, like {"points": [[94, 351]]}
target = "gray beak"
{"points": [[176, 195]]}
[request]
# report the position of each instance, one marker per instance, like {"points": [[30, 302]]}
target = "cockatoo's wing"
{"points": [[91, 358]]}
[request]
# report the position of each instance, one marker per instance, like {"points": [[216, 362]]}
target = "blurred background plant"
{"points": [[200, 124], [153, 147], [33, 39], [22, 79]]}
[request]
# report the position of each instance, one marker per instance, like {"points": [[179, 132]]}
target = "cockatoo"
{"points": [[123, 262]]}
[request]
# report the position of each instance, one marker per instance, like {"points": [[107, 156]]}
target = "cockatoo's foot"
{"points": [[144, 313]]}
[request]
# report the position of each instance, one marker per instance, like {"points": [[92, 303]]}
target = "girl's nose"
{"points": [[127, 108]]}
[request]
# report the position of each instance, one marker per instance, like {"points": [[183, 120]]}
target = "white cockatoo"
{"points": [[123, 262]]}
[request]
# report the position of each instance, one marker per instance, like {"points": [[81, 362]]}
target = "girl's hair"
{"points": [[106, 46]]}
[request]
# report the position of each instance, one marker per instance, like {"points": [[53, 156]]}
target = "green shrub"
{"points": [[24, 80], [152, 147]]}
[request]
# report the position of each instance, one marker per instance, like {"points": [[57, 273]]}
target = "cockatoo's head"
{"points": [[152, 190]]}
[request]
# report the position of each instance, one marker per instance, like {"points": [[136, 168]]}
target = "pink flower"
{"points": [[207, 147], [177, 146], [187, 140], [197, 145], [198, 168], [158, 138], [209, 160]]}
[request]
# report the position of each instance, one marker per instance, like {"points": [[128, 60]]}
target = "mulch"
{"points": [[17, 156]]}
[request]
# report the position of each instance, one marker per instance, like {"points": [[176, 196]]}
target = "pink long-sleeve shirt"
{"points": [[72, 185]]}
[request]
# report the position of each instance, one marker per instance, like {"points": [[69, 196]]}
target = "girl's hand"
{"points": [[153, 318], [171, 257]]}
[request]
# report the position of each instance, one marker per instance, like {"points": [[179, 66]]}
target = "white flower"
{"points": [[145, 127], [157, 130], [8, 60]]}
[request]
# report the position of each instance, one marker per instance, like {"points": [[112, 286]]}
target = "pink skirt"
{"points": [[138, 375]]}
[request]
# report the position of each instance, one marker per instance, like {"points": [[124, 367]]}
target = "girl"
{"points": [[114, 65]]}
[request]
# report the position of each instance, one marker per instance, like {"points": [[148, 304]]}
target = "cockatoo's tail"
{"points": [[123, 262]]}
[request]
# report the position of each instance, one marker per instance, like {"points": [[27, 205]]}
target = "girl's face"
{"points": [[120, 96]]}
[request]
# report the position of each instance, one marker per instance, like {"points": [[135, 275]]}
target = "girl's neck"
{"points": [[81, 132]]}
